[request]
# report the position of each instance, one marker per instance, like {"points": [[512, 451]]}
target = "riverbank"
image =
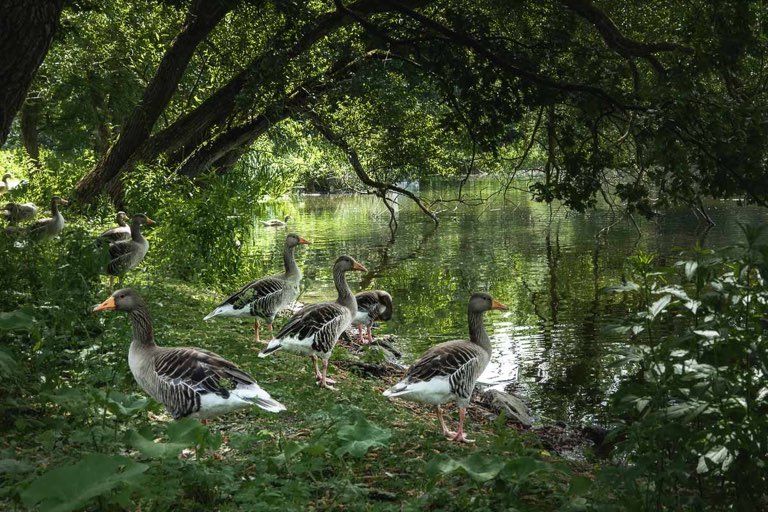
{"points": [[352, 449]]}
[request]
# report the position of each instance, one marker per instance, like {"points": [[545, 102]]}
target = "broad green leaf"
{"points": [[629, 286], [658, 306], [358, 438], [185, 430], [17, 320], [479, 467], [71, 487], [152, 449], [290, 450]]}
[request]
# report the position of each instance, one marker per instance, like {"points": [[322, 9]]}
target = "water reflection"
{"points": [[547, 263]]}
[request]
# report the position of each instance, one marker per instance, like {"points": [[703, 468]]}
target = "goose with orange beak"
{"points": [[188, 381], [448, 371], [125, 255], [264, 298], [314, 330]]}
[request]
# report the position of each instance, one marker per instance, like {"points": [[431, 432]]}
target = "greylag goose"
{"points": [[119, 233], [266, 297], [127, 254], [8, 183], [448, 371], [314, 330], [372, 305], [187, 381], [50, 227], [19, 212], [275, 223]]}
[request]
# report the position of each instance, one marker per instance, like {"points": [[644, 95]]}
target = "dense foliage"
{"points": [[694, 425]]}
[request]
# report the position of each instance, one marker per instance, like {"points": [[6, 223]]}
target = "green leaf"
{"points": [[71, 487], [17, 320], [360, 437], [629, 286], [290, 450], [658, 306], [480, 468], [186, 430], [154, 450], [15, 466]]}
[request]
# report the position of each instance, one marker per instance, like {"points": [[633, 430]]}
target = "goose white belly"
{"points": [[228, 310], [300, 346], [436, 390], [361, 318]]}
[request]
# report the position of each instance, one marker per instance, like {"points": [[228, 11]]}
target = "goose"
{"points": [[119, 233], [187, 381], [49, 227], [125, 255], [266, 297], [314, 330], [448, 371], [19, 212], [8, 183], [372, 305], [275, 223]]}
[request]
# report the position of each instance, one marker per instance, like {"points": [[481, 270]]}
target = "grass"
{"points": [[352, 449]]}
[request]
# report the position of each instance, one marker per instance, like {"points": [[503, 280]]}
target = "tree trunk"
{"points": [[29, 116], [26, 31], [203, 16]]}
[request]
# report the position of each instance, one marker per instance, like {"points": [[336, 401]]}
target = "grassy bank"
{"points": [[346, 450]]}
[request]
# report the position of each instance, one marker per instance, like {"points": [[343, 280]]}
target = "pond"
{"points": [[547, 264]]}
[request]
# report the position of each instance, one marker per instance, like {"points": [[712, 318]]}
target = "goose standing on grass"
{"points": [[448, 371], [119, 233], [19, 212], [266, 297], [314, 330], [50, 227], [187, 381], [275, 223], [127, 254], [372, 305]]}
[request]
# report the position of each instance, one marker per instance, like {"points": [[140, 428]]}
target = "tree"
{"points": [[27, 28]]}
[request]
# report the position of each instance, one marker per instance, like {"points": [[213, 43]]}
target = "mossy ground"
{"points": [[349, 449]]}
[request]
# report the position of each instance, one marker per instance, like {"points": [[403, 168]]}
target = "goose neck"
{"points": [[291, 268], [477, 332], [136, 235], [141, 326], [346, 297]]}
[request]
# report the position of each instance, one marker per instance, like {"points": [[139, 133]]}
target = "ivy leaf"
{"points": [[480, 468], [71, 487], [360, 437]]}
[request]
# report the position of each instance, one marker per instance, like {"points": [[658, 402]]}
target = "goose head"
{"points": [[285, 220], [125, 299], [347, 263], [7, 176], [59, 201], [121, 218], [141, 219], [481, 302], [292, 240]]}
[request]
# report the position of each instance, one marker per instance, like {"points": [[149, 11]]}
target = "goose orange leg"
{"points": [[446, 432], [256, 327], [320, 376], [460, 437]]}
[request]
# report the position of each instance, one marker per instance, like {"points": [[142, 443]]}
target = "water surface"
{"points": [[546, 263]]}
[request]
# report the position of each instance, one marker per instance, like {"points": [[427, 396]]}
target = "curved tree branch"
{"points": [[354, 160]]}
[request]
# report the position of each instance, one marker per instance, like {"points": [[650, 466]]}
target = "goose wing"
{"points": [[186, 374], [319, 324], [120, 254], [461, 362], [117, 234], [262, 295]]}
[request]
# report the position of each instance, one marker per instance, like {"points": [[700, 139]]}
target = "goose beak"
{"points": [[498, 305], [303, 241], [63, 201], [358, 266], [150, 221], [107, 305]]}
